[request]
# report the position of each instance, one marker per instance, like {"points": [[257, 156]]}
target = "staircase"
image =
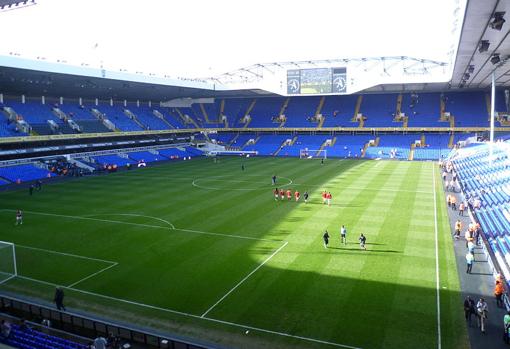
{"points": [[321, 121], [222, 107], [187, 120], [365, 147], [422, 140], [450, 142], [321, 104], [406, 122], [411, 152], [106, 122], [284, 143], [452, 121], [323, 145], [361, 122], [248, 142], [233, 140], [225, 121], [377, 140], [398, 109], [248, 111], [357, 108], [284, 106], [204, 114], [333, 141], [133, 117], [160, 116], [442, 108]]}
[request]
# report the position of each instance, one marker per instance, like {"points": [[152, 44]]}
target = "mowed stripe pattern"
{"points": [[304, 289]]}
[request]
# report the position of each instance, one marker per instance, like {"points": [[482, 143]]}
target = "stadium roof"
{"points": [[476, 27]]}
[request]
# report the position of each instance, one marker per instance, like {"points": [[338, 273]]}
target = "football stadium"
{"points": [[282, 175]]}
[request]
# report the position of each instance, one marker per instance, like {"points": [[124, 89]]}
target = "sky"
{"points": [[200, 38]]}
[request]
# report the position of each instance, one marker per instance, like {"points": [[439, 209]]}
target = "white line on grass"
{"points": [[283, 334], [147, 226], [131, 215], [9, 278], [244, 279], [222, 179], [92, 275], [437, 263], [64, 254]]}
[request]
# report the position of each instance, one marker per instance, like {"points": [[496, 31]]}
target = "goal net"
{"points": [[8, 268], [313, 154]]}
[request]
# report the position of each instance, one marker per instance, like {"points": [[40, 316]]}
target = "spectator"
{"points": [[469, 309], [100, 343], [498, 293], [5, 329], [482, 310], [59, 298], [506, 324], [469, 261]]}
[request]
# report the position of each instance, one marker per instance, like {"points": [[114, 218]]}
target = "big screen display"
{"points": [[316, 81]]}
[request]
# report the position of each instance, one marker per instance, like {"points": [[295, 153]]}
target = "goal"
{"points": [[8, 268], [313, 154]]}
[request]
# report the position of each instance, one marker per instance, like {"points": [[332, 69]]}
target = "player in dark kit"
{"points": [[242, 167], [305, 196], [325, 237], [273, 179], [362, 241], [19, 217]]}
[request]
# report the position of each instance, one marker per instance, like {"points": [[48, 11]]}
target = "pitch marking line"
{"points": [[437, 263], [244, 327], [243, 280], [131, 215], [9, 278], [146, 225], [111, 263], [64, 254], [92, 275]]}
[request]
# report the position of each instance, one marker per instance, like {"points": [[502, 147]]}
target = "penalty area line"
{"points": [[244, 279], [148, 306], [92, 275]]}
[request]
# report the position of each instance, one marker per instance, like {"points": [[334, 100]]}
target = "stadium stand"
{"points": [[116, 115], [299, 110], [486, 185], [338, 110], [378, 109], [425, 113], [113, 159], [265, 110], [27, 338], [23, 173]]}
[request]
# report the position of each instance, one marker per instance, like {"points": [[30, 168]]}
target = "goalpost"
{"points": [[313, 154], [8, 267]]}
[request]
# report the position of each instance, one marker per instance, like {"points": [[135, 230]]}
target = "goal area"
{"points": [[313, 154], [8, 268]]}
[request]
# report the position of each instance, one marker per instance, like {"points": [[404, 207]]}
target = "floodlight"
{"points": [[484, 46], [497, 21], [495, 58]]}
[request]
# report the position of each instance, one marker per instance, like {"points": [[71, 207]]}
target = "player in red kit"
{"points": [[289, 194], [324, 197], [328, 198], [282, 194], [276, 192], [296, 195]]}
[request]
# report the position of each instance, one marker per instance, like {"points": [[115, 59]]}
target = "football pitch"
{"points": [[202, 250]]}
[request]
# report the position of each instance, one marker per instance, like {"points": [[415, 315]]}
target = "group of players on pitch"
{"points": [[343, 238]]}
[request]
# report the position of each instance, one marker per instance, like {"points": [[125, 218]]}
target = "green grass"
{"points": [[168, 278]]}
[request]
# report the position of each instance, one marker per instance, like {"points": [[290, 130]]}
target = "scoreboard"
{"points": [[316, 81]]}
